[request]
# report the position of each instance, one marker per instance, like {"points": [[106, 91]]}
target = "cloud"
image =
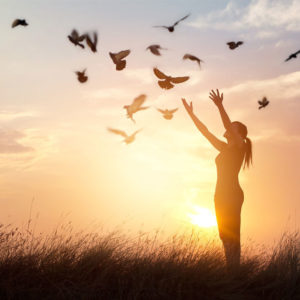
{"points": [[142, 75], [267, 17], [6, 115], [10, 141]]}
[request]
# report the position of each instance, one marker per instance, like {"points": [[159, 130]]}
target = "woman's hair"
{"points": [[242, 129]]}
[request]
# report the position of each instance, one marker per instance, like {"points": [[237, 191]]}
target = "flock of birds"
{"points": [[164, 81]]}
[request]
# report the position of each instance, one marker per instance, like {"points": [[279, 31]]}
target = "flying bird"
{"points": [[127, 138], [18, 22], [118, 59], [167, 82], [155, 49], [293, 55], [263, 103], [193, 58], [172, 27], [135, 106], [90, 43], [233, 45], [167, 114], [75, 38], [81, 76]]}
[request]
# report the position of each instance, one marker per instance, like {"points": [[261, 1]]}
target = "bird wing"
{"points": [[161, 26], [161, 110], [181, 19], [117, 131], [122, 54], [159, 74], [154, 50], [74, 34], [15, 23], [179, 79], [113, 57], [297, 52], [260, 102], [136, 132], [290, 57], [173, 110], [239, 43], [88, 40], [186, 56], [138, 101]]}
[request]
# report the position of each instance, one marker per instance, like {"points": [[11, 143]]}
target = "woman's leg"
{"points": [[229, 221]]}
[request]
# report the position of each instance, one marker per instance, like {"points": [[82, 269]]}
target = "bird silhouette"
{"points": [[233, 45], [81, 76], [127, 138], [155, 49], [263, 103], [90, 43], [18, 22], [172, 27], [118, 59], [193, 58], [293, 55], [135, 106], [167, 82], [167, 114], [75, 38]]}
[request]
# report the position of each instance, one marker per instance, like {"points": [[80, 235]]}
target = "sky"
{"points": [[59, 163]]}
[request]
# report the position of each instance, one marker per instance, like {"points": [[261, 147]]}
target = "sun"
{"points": [[202, 217]]}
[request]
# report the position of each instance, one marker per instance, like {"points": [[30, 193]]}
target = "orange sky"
{"points": [[54, 145]]}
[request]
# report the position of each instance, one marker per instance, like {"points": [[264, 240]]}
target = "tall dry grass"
{"points": [[70, 265]]}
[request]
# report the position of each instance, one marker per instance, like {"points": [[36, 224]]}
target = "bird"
{"points": [[128, 138], [118, 59], [194, 58], [90, 43], [81, 76], [233, 45], [293, 55], [155, 49], [172, 27], [167, 82], [135, 106], [263, 103], [167, 114], [18, 22], [75, 38]]}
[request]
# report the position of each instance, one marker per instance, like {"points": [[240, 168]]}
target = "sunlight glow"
{"points": [[202, 217]]}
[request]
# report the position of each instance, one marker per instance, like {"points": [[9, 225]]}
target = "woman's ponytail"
{"points": [[248, 153]]}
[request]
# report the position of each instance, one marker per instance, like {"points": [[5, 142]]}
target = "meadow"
{"points": [[110, 265]]}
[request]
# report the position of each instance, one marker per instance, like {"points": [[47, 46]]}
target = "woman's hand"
{"points": [[188, 107], [216, 97]]}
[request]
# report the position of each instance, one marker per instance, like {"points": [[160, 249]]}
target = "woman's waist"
{"points": [[228, 187]]}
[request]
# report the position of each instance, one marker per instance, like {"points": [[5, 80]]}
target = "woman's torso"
{"points": [[229, 162]]}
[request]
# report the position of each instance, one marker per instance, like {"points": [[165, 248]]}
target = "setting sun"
{"points": [[202, 217]]}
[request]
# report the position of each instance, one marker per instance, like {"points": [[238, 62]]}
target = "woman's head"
{"points": [[238, 127], [242, 130]]}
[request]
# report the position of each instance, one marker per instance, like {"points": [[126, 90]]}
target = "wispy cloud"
{"points": [[266, 17], [10, 141], [9, 115]]}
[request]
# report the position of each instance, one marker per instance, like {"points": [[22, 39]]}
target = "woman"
{"points": [[229, 196]]}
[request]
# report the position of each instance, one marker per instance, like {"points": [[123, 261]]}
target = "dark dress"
{"points": [[229, 196]]}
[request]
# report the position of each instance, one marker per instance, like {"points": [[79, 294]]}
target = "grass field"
{"points": [[68, 265]]}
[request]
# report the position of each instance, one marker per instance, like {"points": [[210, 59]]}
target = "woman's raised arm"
{"points": [[218, 100], [218, 144]]}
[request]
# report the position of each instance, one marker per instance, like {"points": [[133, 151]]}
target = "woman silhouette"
{"points": [[229, 196]]}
